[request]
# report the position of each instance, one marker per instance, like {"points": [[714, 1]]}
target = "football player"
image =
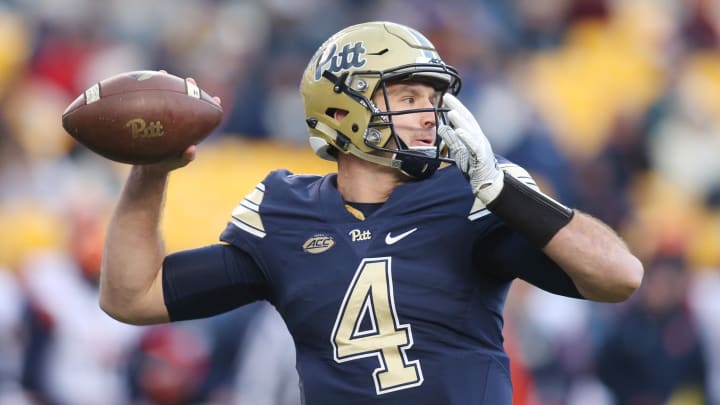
{"points": [[390, 274]]}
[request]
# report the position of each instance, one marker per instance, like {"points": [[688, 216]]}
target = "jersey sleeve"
{"points": [[257, 223], [210, 280], [247, 227], [203, 282], [513, 256]]}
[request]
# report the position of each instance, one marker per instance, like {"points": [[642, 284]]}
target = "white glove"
{"points": [[471, 150]]}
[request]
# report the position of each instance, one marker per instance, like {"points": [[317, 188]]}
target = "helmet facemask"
{"points": [[417, 162]]}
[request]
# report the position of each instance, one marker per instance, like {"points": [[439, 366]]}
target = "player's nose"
{"points": [[428, 119]]}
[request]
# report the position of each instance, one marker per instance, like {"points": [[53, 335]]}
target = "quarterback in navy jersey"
{"points": [[391, 274]]}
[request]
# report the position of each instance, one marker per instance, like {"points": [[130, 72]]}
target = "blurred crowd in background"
{"points": [[613, 106]]}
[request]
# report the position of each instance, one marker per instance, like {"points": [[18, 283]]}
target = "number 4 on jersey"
{"points": [[369, 300]]}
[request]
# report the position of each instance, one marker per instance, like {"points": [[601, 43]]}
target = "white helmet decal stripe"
{"points": [[423, 42]]}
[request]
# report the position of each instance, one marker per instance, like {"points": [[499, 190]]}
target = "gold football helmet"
{"points": [[344, 74]]}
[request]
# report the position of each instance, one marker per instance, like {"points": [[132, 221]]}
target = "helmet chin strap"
{"points": [[418, 162]]}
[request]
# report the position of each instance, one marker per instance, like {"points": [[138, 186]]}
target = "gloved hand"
{"points": [[471, 150]]}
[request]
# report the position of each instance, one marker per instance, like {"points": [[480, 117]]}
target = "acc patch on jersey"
{"points": [[318, 243]]}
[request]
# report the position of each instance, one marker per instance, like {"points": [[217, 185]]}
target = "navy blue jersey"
{"points": [[402, 307]]}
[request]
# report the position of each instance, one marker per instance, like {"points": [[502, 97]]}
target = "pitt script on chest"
{"points": [[357, 235]]}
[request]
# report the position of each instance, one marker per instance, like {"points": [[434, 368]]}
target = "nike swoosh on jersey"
{"points": [[391, 240]]}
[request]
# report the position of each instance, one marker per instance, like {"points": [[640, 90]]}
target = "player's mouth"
{"points": [[423, 140], [422, 137]]}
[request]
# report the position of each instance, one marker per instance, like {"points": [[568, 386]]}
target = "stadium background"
{"points": [[614, 106]]}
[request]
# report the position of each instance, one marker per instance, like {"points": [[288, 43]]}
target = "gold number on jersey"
{"points": [[367, 325]]}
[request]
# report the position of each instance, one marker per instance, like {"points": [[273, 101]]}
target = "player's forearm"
{"points": [[130, 288], [596, 259]]}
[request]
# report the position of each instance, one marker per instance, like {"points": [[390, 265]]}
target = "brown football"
{"points": [[141, 117]]}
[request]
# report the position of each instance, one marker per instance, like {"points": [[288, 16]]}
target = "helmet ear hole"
{"points": [[337, 114]]}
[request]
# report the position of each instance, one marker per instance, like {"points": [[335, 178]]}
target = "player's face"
{"points": [[416, 129]]}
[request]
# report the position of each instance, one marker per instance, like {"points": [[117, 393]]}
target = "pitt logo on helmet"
{"points": [[350, 56]]}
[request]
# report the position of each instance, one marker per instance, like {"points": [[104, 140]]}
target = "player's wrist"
{"points": [[487, 191], [147, 176], [528, 211]]}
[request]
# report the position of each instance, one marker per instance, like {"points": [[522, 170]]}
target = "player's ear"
{"points": [[339, 115]]}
